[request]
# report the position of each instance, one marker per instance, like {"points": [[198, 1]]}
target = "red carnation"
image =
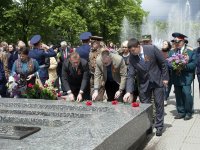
{"points": [[114, 102], [45, 85], [52, 82], [71, 51], [135, 104], [59, 94], [88, 103], [30, 85]]}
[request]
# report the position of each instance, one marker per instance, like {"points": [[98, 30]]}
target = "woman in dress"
{"points": [[24, 71]]}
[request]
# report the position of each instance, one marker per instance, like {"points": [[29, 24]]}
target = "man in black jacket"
{"points": [[147, 63], [75, 78]]}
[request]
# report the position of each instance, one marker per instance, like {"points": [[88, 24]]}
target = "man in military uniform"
{"points": [[146, 40], [75, 78], [94, 53], [41, 52], [84, 49], [182, 81]]}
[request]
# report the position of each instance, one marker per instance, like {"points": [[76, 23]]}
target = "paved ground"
{"points": [[178, 134]]}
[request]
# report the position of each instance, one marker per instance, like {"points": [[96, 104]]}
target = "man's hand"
{"points": [[79, 97], [71, 97], [44, 46], [165, 83], [128, 98], [117, 94], [94, 95]]}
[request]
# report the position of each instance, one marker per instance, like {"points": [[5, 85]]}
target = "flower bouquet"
{"points": [[178, 62], [37, 92]]}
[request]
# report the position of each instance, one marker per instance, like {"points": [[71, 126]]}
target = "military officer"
{"points": [[146, 40], [182, 81], [84, 49], [41, 52]]}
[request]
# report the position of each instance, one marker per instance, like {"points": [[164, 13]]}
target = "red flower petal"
{"points": [[88, 103], [30, 85], [71, 51], [114, 102], [59, 95], [135, 104]]}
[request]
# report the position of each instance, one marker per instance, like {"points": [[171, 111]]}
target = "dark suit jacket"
{"points": [[154, 71], [75, 80]]}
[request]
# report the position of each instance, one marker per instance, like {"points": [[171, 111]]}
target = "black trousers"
{"points": [[158, 92], [111, 88]]}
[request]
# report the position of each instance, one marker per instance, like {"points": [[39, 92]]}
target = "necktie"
{"points": [[142, 62]]}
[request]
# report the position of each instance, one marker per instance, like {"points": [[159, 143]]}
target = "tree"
{"points": [[58, 20]]}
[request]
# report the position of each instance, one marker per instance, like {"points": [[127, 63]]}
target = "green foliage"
{"points": [[58, 20]]}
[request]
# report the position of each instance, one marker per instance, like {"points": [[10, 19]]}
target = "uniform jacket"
{"points": [[154, 71], [187, 75], [40, 56], [75, 79], [84, 51], [119, 71], [92, 59]]}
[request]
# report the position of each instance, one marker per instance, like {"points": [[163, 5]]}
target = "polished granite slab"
{"points": [[73, 126]]}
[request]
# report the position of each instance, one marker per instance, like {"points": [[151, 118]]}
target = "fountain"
{"points": [[126, 30], [179, 20]]}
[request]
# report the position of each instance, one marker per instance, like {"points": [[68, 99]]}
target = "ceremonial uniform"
{"points": [[40, 55], [182, 81], [84, 49]]}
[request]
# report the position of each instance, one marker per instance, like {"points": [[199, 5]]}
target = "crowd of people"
{"points": [[94, 71]]}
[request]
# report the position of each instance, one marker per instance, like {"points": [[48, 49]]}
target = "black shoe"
{"points": [[179, 116], [187, 117], [158, 132]]}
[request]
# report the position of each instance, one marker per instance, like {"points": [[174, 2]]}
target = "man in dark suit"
{"points": [[75, 78], [147, 63], [182, 80]]}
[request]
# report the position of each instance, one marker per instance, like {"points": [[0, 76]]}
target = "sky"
{"points": [[159, 9]]}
